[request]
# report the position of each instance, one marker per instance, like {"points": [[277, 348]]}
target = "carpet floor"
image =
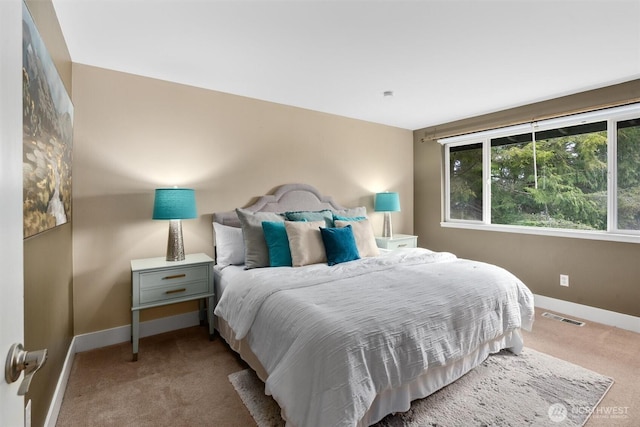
{"points": [[532, 389], [181, 378]]}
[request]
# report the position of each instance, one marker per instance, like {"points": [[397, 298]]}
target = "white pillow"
{"points": [[365, 239], [229, 244], [305, 242]]}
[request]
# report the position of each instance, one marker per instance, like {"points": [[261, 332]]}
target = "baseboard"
{"points": [[593, 314], [108, 337], [122, 334], [58, 394]]}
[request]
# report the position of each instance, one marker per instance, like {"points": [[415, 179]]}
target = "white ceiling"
{"points": [[444, 60]]}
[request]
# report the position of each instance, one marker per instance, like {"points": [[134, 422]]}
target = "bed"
{"points": [[346, 343]]}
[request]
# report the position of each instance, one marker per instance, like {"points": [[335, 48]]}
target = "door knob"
{"points": [[19, 360]]}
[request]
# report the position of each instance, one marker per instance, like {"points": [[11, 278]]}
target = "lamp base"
{"points": [[387, 229], [175, 247]]}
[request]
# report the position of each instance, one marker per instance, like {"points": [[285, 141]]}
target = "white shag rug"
{"points": [[532, 389]]}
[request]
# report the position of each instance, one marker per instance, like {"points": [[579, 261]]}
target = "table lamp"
{"points": [[387, 202], [175, 204]]}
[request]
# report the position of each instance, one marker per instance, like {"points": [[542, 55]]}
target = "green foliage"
{"points": [[629, 178], [558, 181], [466, 184], [559, 191]]}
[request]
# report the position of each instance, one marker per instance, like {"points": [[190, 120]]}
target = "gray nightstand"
{"points": [[156, 282], [397, 241]]}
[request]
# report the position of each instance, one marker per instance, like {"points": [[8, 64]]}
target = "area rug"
{"points": [[531, 389]]}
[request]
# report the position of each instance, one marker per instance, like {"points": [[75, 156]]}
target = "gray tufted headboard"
{"points": [[287, 197]]}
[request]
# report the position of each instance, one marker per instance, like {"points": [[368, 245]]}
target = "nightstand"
{"points": [[156, 282], [397, 241]]}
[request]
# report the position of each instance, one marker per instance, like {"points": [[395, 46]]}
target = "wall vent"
{"points": [[562, 319]]}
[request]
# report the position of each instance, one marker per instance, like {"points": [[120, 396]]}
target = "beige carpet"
{"points": [[181, 378], [532, 389], [604, 349]]}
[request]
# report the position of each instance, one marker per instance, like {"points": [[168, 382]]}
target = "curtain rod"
{"points": [[433, 134]]}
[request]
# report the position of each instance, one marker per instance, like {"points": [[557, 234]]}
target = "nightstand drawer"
{"points": [[397, 241], [171, 291], [401, 243], [174, 276]]}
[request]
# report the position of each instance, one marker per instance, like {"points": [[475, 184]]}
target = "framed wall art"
{"points": [[47, 136]]}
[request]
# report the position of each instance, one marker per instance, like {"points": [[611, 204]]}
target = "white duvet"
{"points": [[332, 338]]}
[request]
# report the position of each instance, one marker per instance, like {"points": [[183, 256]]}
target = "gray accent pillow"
{"points": [[256, 252]]}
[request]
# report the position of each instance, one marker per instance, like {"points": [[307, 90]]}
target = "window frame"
{"points": [[609, 115], [448, 183], [613, 176]]}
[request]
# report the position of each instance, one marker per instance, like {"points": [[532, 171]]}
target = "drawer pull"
{"points": [[402, 245], [176, 276], [175, 291]]}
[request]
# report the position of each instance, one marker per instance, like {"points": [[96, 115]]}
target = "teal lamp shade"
{"points": [[387, 203], [175, 204]]}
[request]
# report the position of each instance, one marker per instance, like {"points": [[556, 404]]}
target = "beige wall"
{"points": [[134, 134], [47, 258], [602, 274]]}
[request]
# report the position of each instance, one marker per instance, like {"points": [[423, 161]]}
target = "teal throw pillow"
{"points": [[311, 216], [348, 218], [275, 235], [339, 244]]}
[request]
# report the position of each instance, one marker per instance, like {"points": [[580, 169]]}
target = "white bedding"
{"points": [[333, 338], [221, 280]]}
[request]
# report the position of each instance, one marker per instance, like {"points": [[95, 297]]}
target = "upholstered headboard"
{"points": [[287, 197]]}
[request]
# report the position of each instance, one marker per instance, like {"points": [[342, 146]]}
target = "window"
{"points": [[555, 178], [628, 176], [465, 163], [577, 173]]}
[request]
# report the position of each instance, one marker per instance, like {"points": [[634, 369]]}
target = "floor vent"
{"points": [[562, 319]]}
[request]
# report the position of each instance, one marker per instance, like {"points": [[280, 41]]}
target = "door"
{"points": [[11, 262]]}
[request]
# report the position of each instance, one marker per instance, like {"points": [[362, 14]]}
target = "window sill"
{"points": [[552, 232]]}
